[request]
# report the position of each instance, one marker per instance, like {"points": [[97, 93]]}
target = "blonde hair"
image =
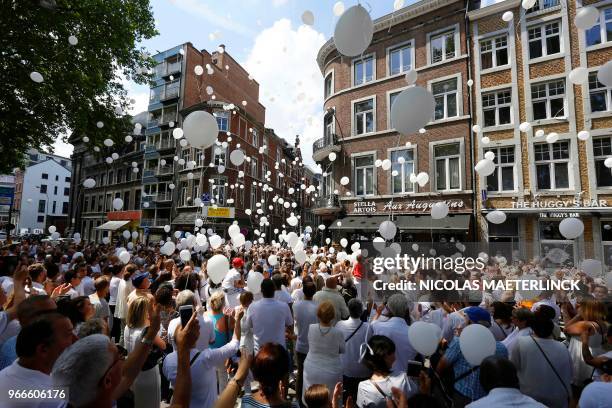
{"points": [[137, 312], [217, 301], [592, 310], [326, 312]]}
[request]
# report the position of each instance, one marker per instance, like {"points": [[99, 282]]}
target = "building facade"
{"points": [[429, 37], [547, 172]]}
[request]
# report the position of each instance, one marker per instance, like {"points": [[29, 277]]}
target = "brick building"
{"points": [[430, 37], [522, 75]]}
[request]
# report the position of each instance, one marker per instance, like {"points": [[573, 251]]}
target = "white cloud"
{"points": [[205, 11], [283, 61], [62, 149], [278, 3]]}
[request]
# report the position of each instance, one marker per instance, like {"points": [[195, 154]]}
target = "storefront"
{"points": [[120, 221], [216, 219]]}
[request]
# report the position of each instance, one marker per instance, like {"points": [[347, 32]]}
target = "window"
{"points": [[600, 95], [443, 46], [329, 126], [496, 108], [65, 207], [264, 171], [445, 94], [45, 176], [55, 190], [254, 168], [447, 163], [278, 155], [552, 165], [494, 52], [119, 175], [364, 175], [601, 30], [67, 179], [54, 207], [392, 97], [56, 177], [602, 149], [329, 85], [255, 138], [219, 156], [554, 247], [400, 59], [402, 162], [126, 200], [606, 240], [40, 218], [253, 197], [502, 178], [544, 40], [42, 206], [364, 116], [543, 5], [363, 70], [155, 94], [548, 100], [43, 188]]}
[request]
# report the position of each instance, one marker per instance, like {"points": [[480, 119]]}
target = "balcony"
{"points": [[327, 205], [164, 170], [148, 173], [169, 93], [162, 197], [154, 222], [150, 148], [322, 147]]}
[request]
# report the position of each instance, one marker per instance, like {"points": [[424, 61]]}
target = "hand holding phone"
{"points": [[185, 312]]}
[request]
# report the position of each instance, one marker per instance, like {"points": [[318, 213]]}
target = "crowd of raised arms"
{"points": [[153, 329]]}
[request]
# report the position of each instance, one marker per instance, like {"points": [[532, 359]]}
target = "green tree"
{"points": [[82, 82]]}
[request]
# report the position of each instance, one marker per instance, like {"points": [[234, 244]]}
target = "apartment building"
{"points": [[547, 172], [429, 37]]}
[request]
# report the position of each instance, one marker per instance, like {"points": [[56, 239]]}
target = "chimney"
{"points": [[217, 57]]}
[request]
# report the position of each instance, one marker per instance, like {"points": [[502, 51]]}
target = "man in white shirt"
{"points": [[38, 274], [498, 378], [330, 293], [521, 318], [305, 313], [98, 301], [396, 329], [207, 329], [74, 281], [117, 272], [280, 294], [39, 344], [268, 318]]}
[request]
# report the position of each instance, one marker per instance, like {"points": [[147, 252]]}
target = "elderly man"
{"points": [[330, 293], [207, 329]]}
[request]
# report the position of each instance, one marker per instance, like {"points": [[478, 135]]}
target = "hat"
{"points": [[138, 278], [478, 315], [237, 263]]}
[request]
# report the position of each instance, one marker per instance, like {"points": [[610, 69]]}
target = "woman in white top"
{"points": [[147, 386], [124, 289], [379, 356], [325, 344]]}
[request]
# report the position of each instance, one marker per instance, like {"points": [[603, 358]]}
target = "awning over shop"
{"points": [[426, 223], [112, 225], [359, 223]]}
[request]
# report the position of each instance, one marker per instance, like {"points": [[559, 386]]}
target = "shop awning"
{"points": [[426, 223], [112, 225], [359, 223]]}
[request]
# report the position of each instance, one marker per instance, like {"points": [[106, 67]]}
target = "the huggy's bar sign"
{"points": [[560, 203], [406, 206]]}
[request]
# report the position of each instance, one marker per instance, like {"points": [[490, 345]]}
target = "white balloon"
{"points": [[579, 76], [238, 240], [476, 128], [166, 228], [439, 210], [55, 236], [411, 77], [108, 142], [233, 230], [422, 179], [604, 75], [237, 157], [332, 156], [85, 139], [344, 181], [72, 40], [215, 241], [571, 228], [89, 183], [386, 164], [485, 140], [489, 155], [584, 135], [177, 133], [586, 17], [124, 257], [344, 242], [115, 156], [126, 234], [485, 167], [353, 32], [476, 343], [301, 257], [496, 217], [135, 235], [552, 137], [424, 337], [308, 17], [539, 133], [412, 109], [398, 4], [117, 203], [338, 8], [525, 127], [36, 77], [387, 229], [200, 129], [254, 282], [608, 162], [217, 267], [527, 4], [106, 240], [52, 229], [592, 267], [209, 90], [470, 82], [272, 260], [508, 16], [292, 221], [185, 255], [198, 70], [178, 234]]}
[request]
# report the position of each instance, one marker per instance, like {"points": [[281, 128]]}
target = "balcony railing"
{"points": [[325, 145], [148, 173], [169, 93], [330, 201], [150, 148], [163, 197], [164, 170], [154, 222]]}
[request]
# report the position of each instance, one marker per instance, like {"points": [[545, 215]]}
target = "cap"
{"points": [[478, 315], [237, 263], [138, 278]]}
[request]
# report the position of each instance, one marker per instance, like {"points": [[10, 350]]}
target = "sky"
{"points": [[270, 40]]}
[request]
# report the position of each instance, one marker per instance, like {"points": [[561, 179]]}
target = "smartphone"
{"points": [[414, 368], [185, 312]]}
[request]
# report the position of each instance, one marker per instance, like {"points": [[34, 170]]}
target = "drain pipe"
{"points": [[475, 195]]}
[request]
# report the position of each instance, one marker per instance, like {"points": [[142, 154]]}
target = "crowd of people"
{"points": [[159, 330]]}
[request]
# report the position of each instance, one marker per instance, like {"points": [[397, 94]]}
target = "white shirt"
{"points": [[296, 283], [512, 338], [297, 295], [369, 396], [505, 398], [88, 286], [268, 318], [305, 313], [114, 287], [73, 293], [207, 332], [396, 329], [596, 395], [38, 289], [325, 345], [351, 367], [16, 377], [203, 373], [232, 276], [283, 296]]}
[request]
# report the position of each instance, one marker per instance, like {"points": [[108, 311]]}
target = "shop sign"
{"points": [[219, 212], [124, 215], [559, 215], [405, 206], [569, 203]]}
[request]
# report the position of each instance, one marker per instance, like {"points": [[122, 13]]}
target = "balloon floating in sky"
{"points": [[308, 17], [353, 32], [200, 129], [412, 109]]}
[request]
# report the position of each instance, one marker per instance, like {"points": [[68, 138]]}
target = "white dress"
{"points": [[147, 385], [581, 370], [323, 364]]}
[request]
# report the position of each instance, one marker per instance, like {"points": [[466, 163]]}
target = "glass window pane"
{"points": [[539, 110], [369, 122], [553, 45], [358, 73], [486, 60], [502, 57], [450, 45], [452, 105], [543, 175], [441, 174], [369, 180], [369, 70], [598, 101], [394, 60], [593, 36], [561, 175], [406, 58], [603, 174], [454, 173], [492, 182], [439, 111], [489, 117], [507, 178], [360, 181], [504, 115], [535, 49]]}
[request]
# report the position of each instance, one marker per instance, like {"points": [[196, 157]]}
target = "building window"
{"points": [[543, 5], [255, 134], [496, 107], [602, 149], [400, 59], [329, 126], [544, 40], [548, 100], [222, 121], [600, 95], [54, 190], [445, 94], [67, 179], [264, 171], [602, 30], [402, 162], [219, 156], [447, 163], [364, 116], [494, 52], [45, 176], [253, 197], [54, 207], [552, 165], [363, 70], [43, 188], [40, 218], [502, 178], [42, 206], [443, 46], [254, 168], [364, 175], [606, 240], [555, 249], [329, 85]]}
